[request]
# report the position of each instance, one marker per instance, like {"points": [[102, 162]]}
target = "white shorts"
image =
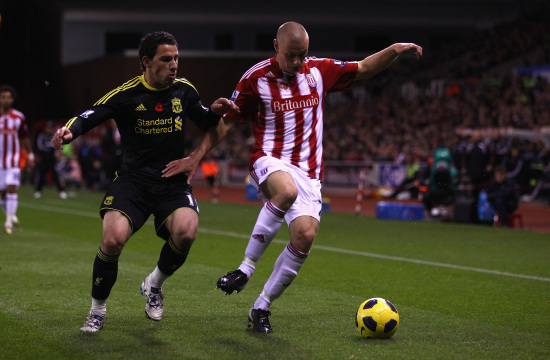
{"points": [[10, 176], [308, 202]]}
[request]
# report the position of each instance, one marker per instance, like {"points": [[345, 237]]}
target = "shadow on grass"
{"points": [[251, 345], [371, 341]]}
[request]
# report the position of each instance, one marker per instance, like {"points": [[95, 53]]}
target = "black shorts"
{"points": [[138, 199]]}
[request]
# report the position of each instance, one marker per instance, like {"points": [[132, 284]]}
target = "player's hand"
{"points": [[223, 106], [403, 48], [186, 165], [61, 136]]}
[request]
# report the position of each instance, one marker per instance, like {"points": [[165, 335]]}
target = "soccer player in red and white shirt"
{"points": [[284, 98], [14, 133]]}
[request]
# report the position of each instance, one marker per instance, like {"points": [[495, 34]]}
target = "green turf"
{"points": [[462, 291]]}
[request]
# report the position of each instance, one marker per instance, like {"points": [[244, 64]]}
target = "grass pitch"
{"points": [[462, 291]]}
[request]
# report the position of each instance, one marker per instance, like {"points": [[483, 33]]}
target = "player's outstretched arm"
{"points": [[189, 164], [373, 64], [61, 136]]}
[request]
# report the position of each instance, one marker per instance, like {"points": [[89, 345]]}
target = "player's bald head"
{"points": [[292, 45], [292, 32]]}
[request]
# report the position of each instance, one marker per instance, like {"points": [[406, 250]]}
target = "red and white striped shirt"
{"points": [[287, 110], [12, 128]]}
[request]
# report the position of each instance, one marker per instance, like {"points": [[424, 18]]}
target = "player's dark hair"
{"points": [[150, 42], [9, 88]]}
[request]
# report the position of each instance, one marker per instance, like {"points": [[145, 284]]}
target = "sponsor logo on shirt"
{"points": [[141, 107], [155, 126], [311, 80], [86, 113], [295, 103], [339, 62], [178, 123], [235, 95], [176, 105]]}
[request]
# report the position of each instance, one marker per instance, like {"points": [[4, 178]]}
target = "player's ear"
{"points": [[146, 62], [276, 45]]}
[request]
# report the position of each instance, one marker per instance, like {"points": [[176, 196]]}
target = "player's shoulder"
{"points": [[183, 83], [133, 83], [260, 69], [121, 92], [14, 113], [313, 60], [317, 61]]}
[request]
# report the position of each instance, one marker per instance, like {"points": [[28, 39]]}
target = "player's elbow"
{"points": [[363, 71]]}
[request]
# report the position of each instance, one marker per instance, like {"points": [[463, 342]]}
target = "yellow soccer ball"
{"points": [[377, 318]]}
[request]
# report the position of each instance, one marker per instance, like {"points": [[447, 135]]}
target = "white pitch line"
{"points": [[431, 263], [60, 210], [316, 247], [387, 257]]}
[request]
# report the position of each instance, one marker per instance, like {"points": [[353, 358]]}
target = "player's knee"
{"points": [[183, 238], [304, 240], [308, 235], [112, 245], [285, 196]]}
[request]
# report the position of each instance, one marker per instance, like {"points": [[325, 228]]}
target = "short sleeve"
{"points": [[337, 74], [245, 97]]}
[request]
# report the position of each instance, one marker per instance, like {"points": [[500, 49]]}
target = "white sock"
{"points": [[157, 278], [248, 266], [11, 206], [99, 306], [263, 302], [285, 271], [267, 226]]}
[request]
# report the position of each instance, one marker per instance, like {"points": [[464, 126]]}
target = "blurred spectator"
{"points": [[458, 148], [210, 173], [502, 195], [441, 187], [414, 178], [526, 179], [539, 171], [89, 157], [498, 146], [476, 163], [68, 168], [513, 162], [47, 162]]}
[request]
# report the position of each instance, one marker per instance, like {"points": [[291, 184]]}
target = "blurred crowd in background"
{"points": [[466, 96]]}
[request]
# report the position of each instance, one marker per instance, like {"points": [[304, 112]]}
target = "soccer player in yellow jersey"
{"points": [[150, 112]]}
